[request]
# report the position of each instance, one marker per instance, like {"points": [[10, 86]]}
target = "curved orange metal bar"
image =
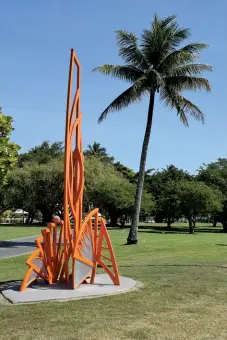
{"points": [[59, 245]]}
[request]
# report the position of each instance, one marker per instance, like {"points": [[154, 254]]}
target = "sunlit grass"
{"points": [[184, 294], [13, 232]]}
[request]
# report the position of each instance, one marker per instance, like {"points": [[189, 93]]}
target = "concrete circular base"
{"points": [[45, 292]]}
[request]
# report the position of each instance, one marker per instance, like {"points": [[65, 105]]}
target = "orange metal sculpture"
{"points": [[64, 253]]}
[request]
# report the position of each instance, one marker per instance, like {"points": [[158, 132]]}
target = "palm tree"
{"points": [[157, 65], [125, 171], [97, 151]]}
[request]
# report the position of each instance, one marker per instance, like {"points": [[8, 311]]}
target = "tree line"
{"points": [[34, 182], [173, 193]]}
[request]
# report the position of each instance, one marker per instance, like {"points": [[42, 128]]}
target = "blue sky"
{"points": [[36, 37]]}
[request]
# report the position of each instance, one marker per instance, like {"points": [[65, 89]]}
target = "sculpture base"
{"points": [[49, 292]]}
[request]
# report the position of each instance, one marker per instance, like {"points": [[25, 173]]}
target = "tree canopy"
{"points": [[215, 175], [158, 62], [162, 185], [156, 182], [37, 187], [125, 171], [196, 199], [8, 149], [42, 154], [109, 190], [168, 203]]}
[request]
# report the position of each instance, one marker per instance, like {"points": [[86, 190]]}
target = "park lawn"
{"points": [[9, 232], [184, 295]]}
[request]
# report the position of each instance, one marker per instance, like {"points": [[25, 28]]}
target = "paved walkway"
{"points": [[17, 247]]}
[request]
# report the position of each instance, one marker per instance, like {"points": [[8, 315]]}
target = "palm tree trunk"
{"points": [[133, 233]]}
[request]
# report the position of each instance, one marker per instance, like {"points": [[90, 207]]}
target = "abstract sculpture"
{"points": [[63, 253]]}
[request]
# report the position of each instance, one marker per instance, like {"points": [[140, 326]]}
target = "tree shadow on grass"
{"points": [[176, 230], [173, 265], [16, 244], [5, 225]]}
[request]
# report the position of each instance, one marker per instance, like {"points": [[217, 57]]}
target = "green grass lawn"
{"points": [[184, 294], [9, 232]]}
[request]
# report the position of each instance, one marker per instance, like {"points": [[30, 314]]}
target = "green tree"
{"points": [[42, 154], [129, 173], [168, 203], [107, 189], [157, 65], [49, 182], [96, 150], [215, 175], [163, 185], [8, 149], [37, 187], [197, 199], [20, 191], [125, 171]]}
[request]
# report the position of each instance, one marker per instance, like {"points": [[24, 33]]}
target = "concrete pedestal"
{"points": [[58, 291]]}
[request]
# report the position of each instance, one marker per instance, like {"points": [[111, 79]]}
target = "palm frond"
{"points": [[195, 47], [182, 83], [133, 94], [190, 69], [182, 105], [177, 37], [162, 39], [169, 29], [127, 72], [192, 109], [176, 59], [182, 56], [129, 50], [183, 117], [166, 21]]}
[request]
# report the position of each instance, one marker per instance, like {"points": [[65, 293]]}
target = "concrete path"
{"points": [[17, 247]]}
